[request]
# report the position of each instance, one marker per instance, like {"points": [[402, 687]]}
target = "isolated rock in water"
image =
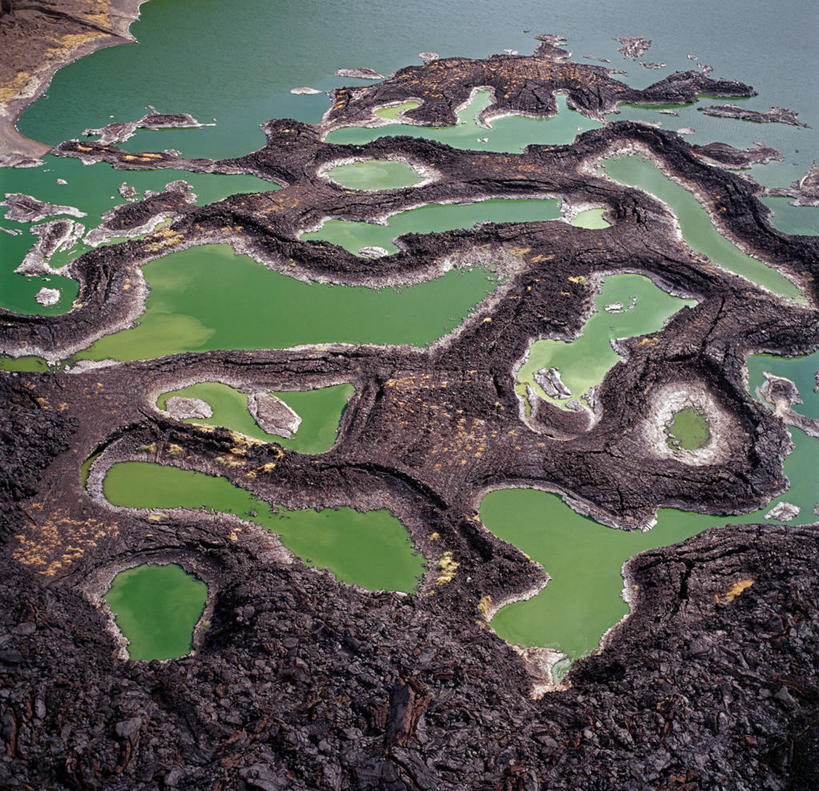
{"points": [[360, 74], [304, 91], [120, 131], [373, 251], [686, 130], [273, 415], [633, 46], [126, 190], [776, 115], [25, 208], [783, 512], [551, 47], [649, 65], [551, 383], [48, 296], [779, 390], [184, 408], [62, 182]]}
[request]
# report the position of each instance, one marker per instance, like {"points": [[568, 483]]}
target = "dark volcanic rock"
{"points": [[776, 115]]}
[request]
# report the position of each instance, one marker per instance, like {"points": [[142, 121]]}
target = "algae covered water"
{"points": [[156, 609], [320, 411], [371, 549]]}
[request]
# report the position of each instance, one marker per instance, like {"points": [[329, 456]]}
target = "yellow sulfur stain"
{"points": [[735, 590], [447, 567]]}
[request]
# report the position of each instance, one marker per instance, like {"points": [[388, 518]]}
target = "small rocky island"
{"points": [[303, 682]]}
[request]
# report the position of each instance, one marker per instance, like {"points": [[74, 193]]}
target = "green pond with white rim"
{"points": [[320, 411], [156, 608], [688, 430], [375, 174], [371, 549]]}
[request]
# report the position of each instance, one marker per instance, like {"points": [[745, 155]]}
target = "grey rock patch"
{"points": [[305, 91], [360, 74], [783, 512], [26, 208], [273, 415], [48, 296], [372, 251], [186, 408]]}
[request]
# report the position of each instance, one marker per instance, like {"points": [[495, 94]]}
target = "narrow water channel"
{"points": [[696, 227], [433, 218]]}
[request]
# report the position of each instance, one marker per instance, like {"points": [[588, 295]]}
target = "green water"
{"points": [[93, 190], [591, 218], [793, 219], [434, 217], [510, 133], [208, 298], [320, 411], [30, 364], [585, 361], [584, 558], [696, 227], [156, 608], [375, 174], [688, 430], [372, 549]]}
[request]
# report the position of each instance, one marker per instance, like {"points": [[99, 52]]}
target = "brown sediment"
{"points": [[36, 40]]}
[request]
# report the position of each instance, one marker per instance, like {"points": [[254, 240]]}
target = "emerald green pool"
{"points": [[375, 174], [320, 411], [371, 549], [696, 227], [688, 430], [156, 608], [433, 218], [509, 133], [208, 298], [585, 361]]}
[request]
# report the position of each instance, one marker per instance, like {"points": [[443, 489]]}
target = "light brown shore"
{"points": [[36, 43]]}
